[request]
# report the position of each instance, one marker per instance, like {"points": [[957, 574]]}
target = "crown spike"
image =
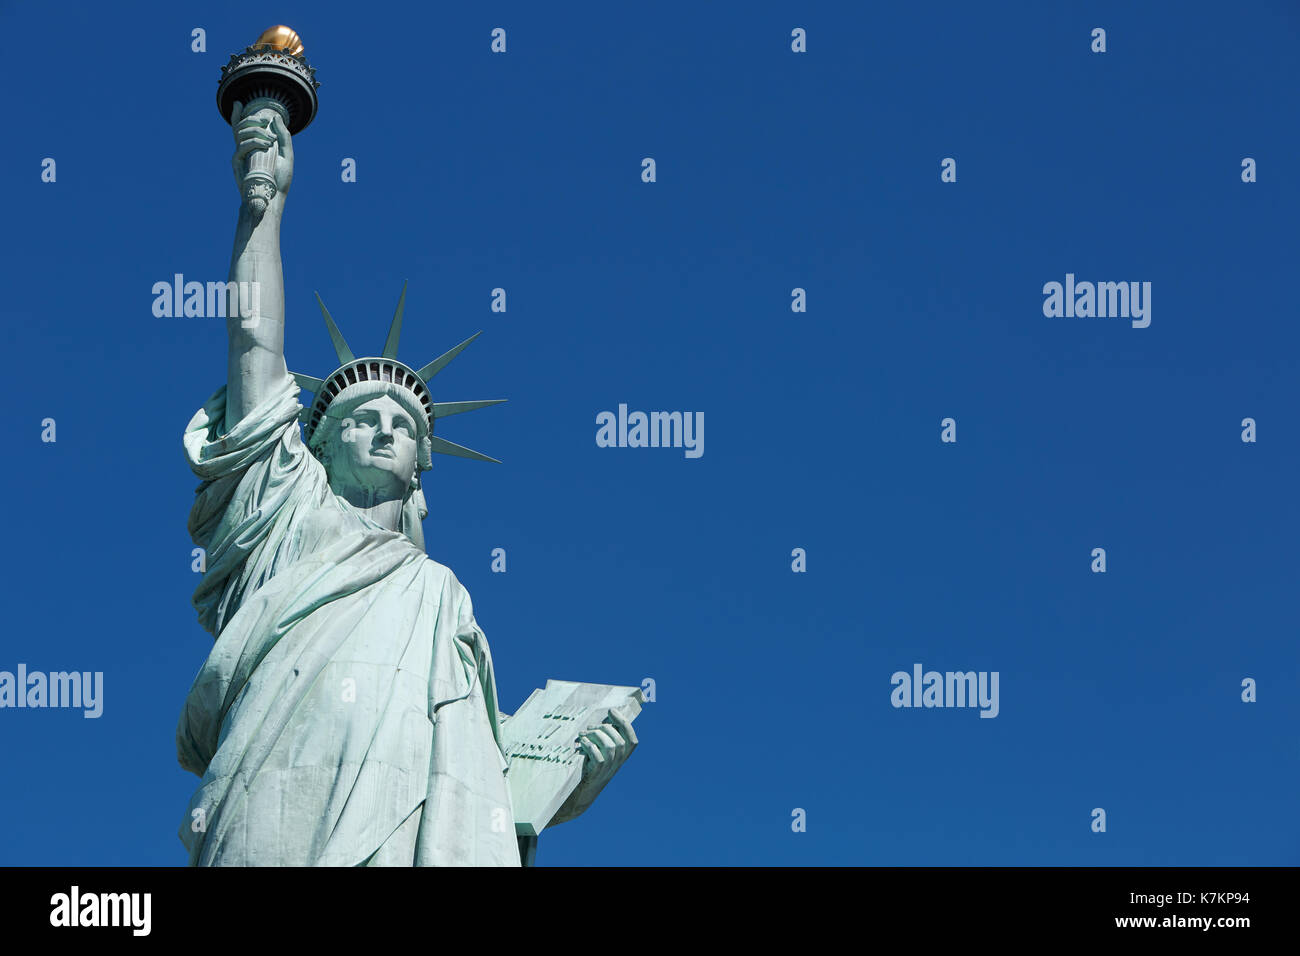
{"points": [[309, 382], [438, 364], [340, 344], [395, 330], [444, 447], [443, 409]]}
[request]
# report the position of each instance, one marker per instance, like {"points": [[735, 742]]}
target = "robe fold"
{"points": [[347, 714]]}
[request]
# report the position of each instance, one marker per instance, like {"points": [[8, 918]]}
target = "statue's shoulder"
{"points": [[447, 582], [443, 575]]}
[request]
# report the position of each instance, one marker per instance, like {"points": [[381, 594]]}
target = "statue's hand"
{"points": [[606, 748], [258, 130]]}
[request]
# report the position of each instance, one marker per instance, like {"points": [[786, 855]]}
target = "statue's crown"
{"points": [[357, 374]]}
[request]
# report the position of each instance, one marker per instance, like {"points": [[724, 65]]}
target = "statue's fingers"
{"points": [[254, 140], [612, 732], [281, 133], [253, 127], [604, 742], [594, 760], [625, 726], [249, 146], [236, 112], [256, 122]]}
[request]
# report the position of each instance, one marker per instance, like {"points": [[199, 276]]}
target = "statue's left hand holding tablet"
{"points": [[605, 749]]}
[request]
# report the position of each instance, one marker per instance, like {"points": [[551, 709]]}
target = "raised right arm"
{"points": [[255, 328]]}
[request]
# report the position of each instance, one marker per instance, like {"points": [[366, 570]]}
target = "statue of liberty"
{"points": [[347, 714]]}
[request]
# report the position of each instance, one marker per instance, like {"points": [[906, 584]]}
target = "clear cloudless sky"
{"points": [[775, 170]]}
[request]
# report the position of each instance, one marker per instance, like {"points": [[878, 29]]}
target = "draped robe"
{"points": [[347, 714]]}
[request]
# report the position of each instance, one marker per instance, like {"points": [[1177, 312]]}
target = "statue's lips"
{"points": [[382, 453]]}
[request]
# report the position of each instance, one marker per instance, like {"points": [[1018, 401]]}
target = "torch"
{"points": [[271, 76]]}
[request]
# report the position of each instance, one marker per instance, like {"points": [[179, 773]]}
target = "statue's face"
{"points": [[375, 448]]}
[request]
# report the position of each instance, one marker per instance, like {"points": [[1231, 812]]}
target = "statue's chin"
{"points": [[374, 483]]}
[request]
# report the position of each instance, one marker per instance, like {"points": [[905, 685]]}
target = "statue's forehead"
{"points": [[374, 403], [379, 401]]}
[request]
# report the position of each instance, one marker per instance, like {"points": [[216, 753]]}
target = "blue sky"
{"points": [[775, 170]]}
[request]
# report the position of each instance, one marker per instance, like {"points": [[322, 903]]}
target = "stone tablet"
{"points": [[541, 743]]}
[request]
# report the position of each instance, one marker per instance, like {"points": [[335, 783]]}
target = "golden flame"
{"points": [[281, 38]]}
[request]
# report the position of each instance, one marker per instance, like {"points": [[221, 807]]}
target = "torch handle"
{"points": [[259, 177]]}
